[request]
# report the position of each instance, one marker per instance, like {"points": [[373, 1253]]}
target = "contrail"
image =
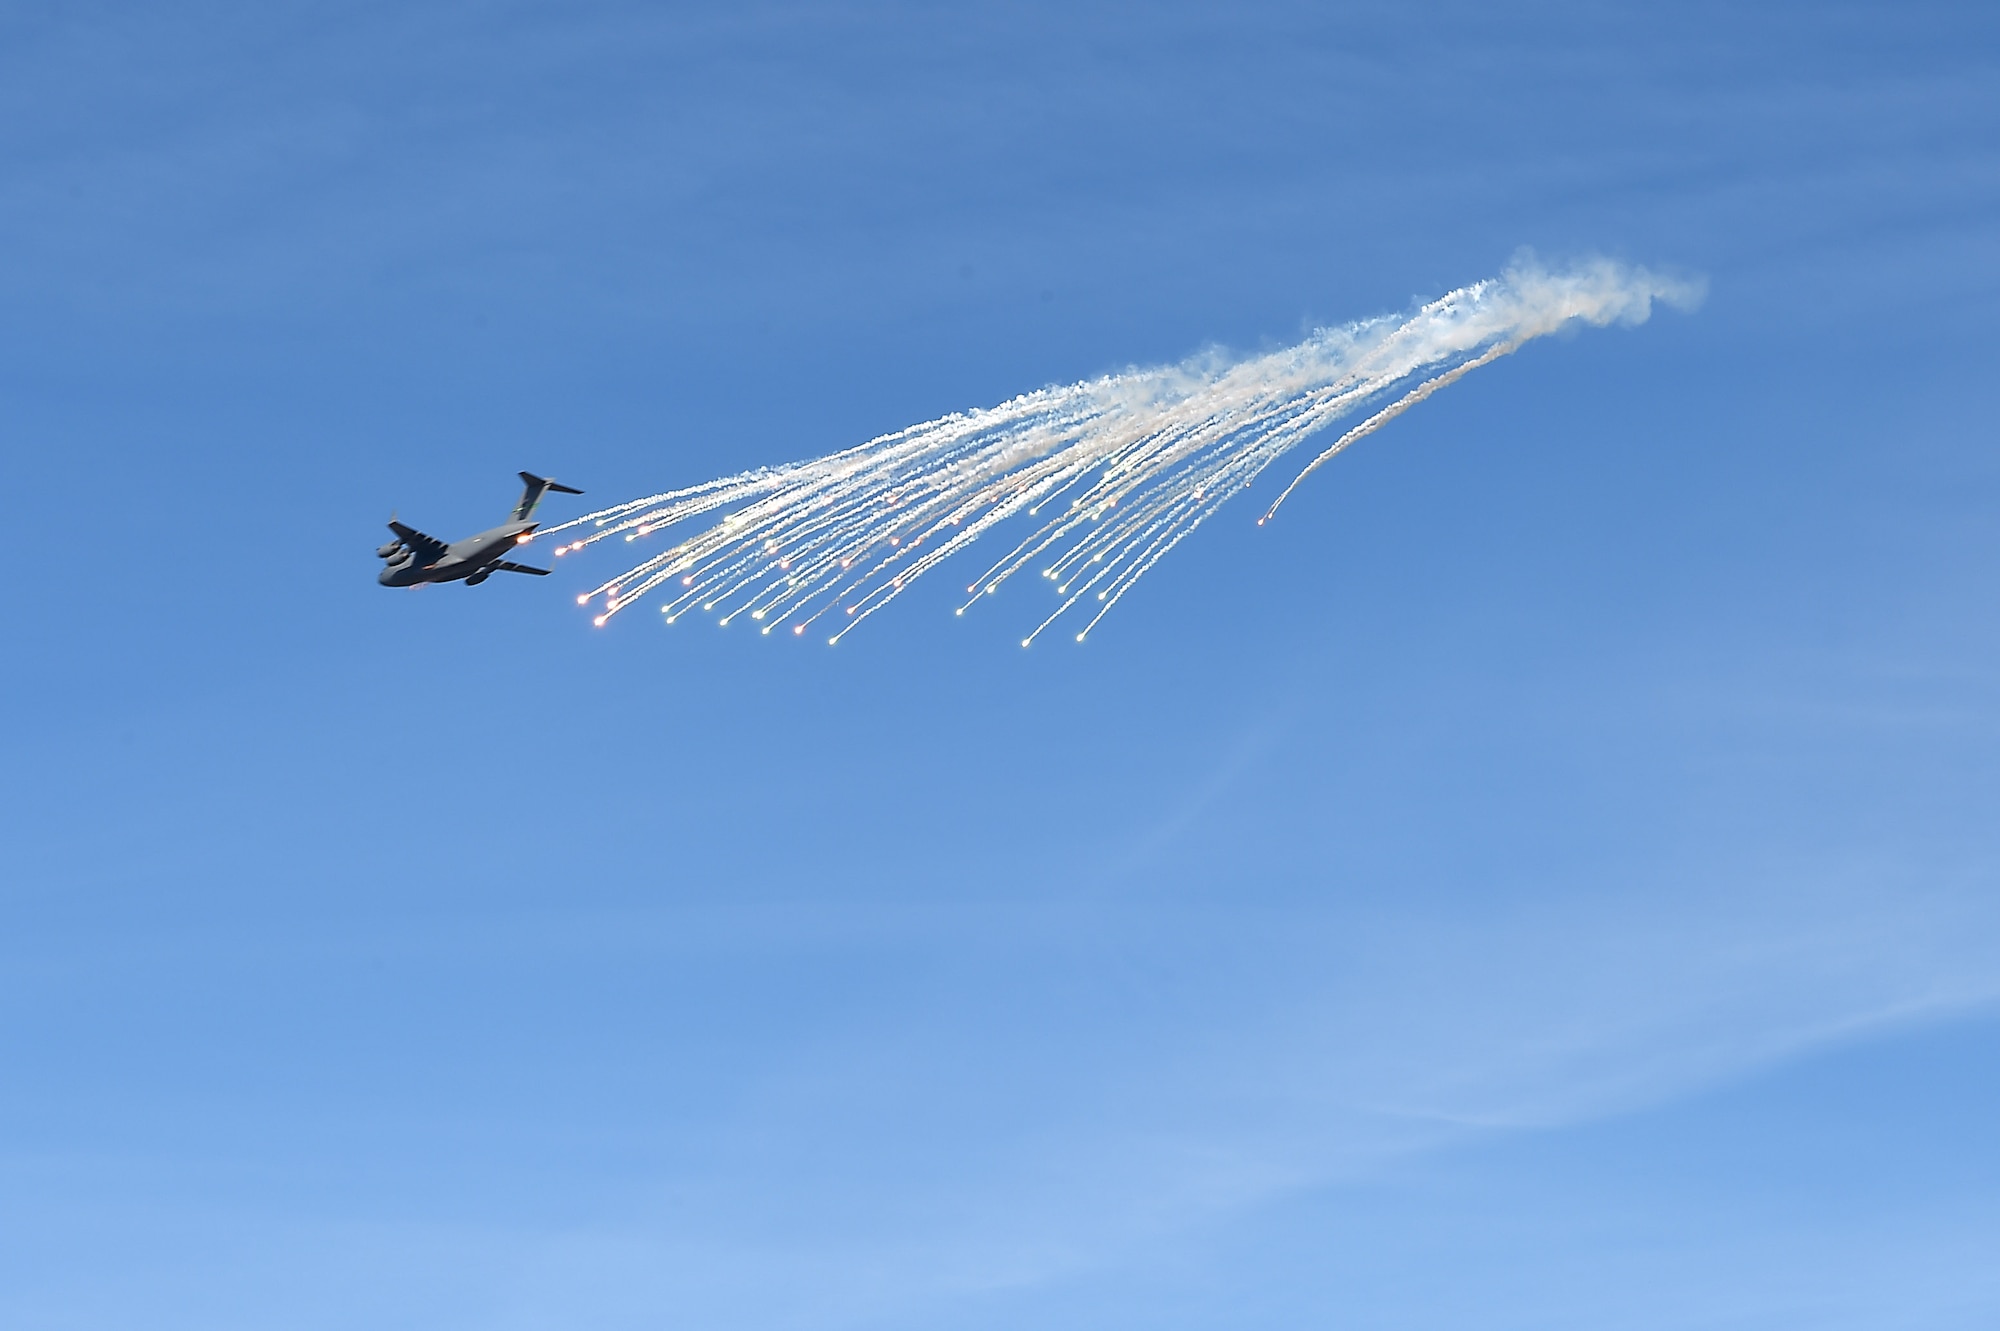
{"points": [[1119, 469]]}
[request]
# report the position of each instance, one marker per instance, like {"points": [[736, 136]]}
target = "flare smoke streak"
{"points": [[1112, 473]]}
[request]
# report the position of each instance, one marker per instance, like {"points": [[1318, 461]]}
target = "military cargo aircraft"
{"points": [[414, 558]]}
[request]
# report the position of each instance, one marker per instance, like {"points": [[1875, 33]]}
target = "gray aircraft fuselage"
{"points": [[413, 559], [461, 559]]}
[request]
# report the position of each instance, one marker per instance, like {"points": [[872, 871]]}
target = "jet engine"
{"points": [[389, 551], [479, 577]]}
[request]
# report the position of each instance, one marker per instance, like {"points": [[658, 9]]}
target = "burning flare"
{"points": [[1119, 469]]}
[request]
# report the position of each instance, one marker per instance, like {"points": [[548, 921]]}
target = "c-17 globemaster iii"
{"points": [[414, 558]]}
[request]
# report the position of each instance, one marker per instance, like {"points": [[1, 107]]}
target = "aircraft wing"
{"points": [[427, 549], [506, 567]]}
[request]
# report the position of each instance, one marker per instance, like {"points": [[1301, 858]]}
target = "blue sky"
{"points": [[1546, 880]]}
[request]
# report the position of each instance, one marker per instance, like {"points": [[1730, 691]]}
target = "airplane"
{"points": [[414, 558]]}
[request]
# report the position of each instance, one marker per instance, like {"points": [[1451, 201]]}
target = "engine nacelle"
{"points": [[389, 551], [479, 577]]}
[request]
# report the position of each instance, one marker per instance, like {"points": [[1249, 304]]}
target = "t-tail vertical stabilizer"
{"points": [[537, 486]]}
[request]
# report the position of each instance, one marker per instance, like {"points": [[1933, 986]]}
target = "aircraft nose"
{"points": [[387, 577]]}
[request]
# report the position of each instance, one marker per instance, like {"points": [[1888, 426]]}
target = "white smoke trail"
{"points": [[1125, 466]]}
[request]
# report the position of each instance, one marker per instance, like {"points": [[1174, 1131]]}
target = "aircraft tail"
{"points": [[537, 486]]}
